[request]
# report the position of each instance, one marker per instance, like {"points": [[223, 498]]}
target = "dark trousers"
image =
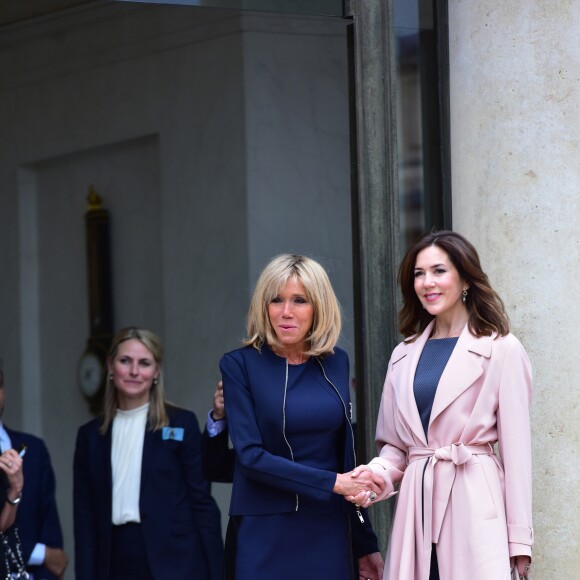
{"points": [[434, 574], [128, 554]]}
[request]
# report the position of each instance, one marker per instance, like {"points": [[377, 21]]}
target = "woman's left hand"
{"points": [[370, 567], [11, 465], [523, 564]]}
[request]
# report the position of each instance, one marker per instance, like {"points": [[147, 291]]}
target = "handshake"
{"points": [[360, 486]]}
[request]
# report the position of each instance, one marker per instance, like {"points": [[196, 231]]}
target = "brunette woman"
{"points": [[459, 384]]}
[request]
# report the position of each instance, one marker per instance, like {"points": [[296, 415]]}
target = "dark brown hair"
{"points": [[486, 309]]}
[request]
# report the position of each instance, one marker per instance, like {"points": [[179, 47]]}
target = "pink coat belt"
{"points": [[450, 457]]}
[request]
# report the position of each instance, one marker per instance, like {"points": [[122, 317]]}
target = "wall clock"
{"points": [[92, 372]]}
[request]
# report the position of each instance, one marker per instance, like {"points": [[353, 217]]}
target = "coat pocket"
{"points": [[480, 488]]}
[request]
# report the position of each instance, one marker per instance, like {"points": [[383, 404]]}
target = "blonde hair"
{"points": [[157, 414], [326, 324]]}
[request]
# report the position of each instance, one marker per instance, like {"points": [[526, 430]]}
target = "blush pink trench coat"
{"points": [[475, 506]]}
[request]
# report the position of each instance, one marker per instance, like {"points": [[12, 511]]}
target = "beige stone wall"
{"points": [[515, 104]]}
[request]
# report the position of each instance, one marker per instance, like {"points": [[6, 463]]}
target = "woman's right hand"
{"points": [[11, 465], [359, 481], [218, 411]]}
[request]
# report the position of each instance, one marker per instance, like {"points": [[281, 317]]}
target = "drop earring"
{"points": [[464, 296]]}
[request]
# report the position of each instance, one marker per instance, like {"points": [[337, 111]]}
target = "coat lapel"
{"points": [[465, 366], [148, 454], [106, 442], [403, 377]]}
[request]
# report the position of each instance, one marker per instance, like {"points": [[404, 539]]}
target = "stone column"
{"points": [[375, 217], [515, 128]]}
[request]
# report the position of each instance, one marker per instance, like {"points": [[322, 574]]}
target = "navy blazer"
{"points": [[266, 480], [179, 518], [218, 458], [37, 516]]}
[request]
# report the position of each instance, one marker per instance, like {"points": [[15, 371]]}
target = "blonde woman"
{"points": [[142, 509], [288, 408]]}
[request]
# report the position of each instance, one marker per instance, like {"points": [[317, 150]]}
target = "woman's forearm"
{"points": [[7, 516]]}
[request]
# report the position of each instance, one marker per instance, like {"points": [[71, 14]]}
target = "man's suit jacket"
{"points": [[218, 458], [37, 515], [179, 518]]}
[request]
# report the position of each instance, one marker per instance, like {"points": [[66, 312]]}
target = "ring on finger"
{"points": [[10, 464], [373, 496]]}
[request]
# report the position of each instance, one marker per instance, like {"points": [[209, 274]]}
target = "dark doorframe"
{"points": [[375, 198], [374, 209]]}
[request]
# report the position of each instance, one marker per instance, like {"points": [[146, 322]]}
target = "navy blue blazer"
{"points": [[266, 480], [179, 518], [218, 458], [37, 516]]}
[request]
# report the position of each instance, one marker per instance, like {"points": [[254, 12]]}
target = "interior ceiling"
{"points": [[13, 11]]}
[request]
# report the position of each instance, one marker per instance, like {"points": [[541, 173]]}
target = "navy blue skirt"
{"points": [[294, 545]]}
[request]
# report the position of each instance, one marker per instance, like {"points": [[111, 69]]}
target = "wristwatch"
{"points": [[15, 501]]}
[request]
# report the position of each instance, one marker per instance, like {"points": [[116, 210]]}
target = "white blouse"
{"points": [[126, 457]]}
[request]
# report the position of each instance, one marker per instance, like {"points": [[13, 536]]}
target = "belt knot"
{"points": [[457, 453]]}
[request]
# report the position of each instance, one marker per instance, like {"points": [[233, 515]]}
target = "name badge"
{"points": [[172, 433]]}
